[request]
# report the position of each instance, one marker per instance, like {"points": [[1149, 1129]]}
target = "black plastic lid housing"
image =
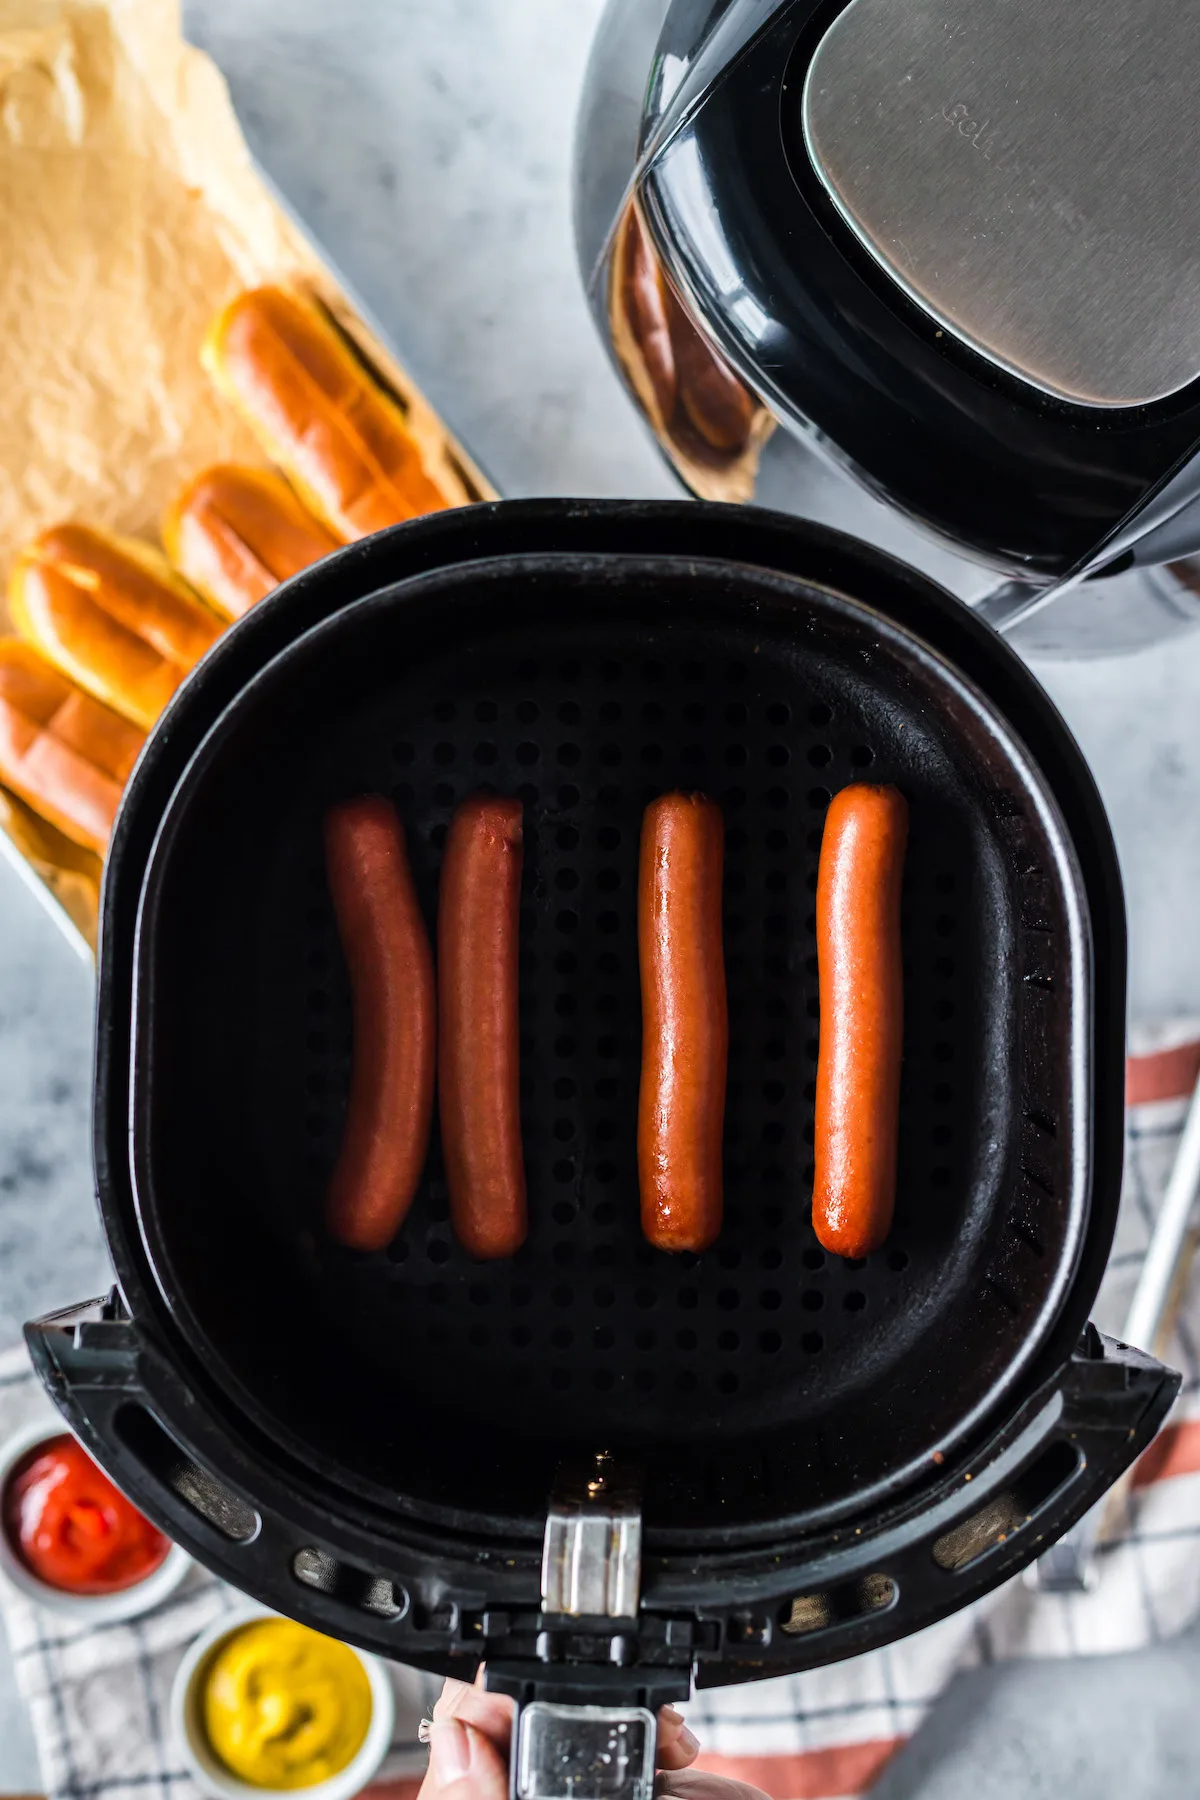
{"points": [[1033, 486]]}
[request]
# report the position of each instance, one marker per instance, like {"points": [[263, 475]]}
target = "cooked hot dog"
{"points": [[862, 1018], [388, 955], [685, 1023], [478, 1074]]}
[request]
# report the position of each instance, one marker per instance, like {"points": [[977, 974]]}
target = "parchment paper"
{"points": [[130, 211]]}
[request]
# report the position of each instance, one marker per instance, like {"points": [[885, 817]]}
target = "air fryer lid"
{"points": [[762, 1383], [1000, 163], [991, 327]]}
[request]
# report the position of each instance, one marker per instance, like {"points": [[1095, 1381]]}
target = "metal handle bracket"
{"points": [[592, 1549]]}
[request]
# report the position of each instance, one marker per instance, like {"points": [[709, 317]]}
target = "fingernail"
{"points": [[669, 1716], [449, 1753], [450, 1698], [688, 1741]]}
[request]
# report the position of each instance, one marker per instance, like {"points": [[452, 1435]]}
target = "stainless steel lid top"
{"points": [[1026, 172]]}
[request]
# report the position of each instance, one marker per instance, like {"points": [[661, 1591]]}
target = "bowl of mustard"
{"points": [[261, 1705]]}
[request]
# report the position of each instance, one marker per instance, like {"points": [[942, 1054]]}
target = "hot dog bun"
{"points": [[318, 413], [112, 614], [61, 752], [236, 533]]}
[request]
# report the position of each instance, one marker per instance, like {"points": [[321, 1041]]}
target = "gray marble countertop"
{"points": [[426, 143]]}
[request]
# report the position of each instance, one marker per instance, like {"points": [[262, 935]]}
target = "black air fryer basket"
{"points": [[819, 1456]]}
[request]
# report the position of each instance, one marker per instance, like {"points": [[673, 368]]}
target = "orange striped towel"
{"points": [[830, 1733]]}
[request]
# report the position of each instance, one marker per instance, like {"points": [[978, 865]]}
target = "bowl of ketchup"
{"points": [[70, 1539]]}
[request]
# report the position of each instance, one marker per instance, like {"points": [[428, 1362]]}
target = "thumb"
{"points": [[463, 1765]]}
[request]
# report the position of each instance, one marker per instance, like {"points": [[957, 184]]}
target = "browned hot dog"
{"points": [[685, 1022], [478, 1071], [862, 1017], [390, 963]]}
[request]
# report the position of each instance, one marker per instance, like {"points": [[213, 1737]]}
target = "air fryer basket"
{"points": [[762, 1379], [390, 1425]]}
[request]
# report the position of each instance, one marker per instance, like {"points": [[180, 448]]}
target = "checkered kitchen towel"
{"points": [[98, 1695], [98, 1698]]}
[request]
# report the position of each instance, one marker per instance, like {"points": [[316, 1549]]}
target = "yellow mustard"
{"points": [[283, 1706]]}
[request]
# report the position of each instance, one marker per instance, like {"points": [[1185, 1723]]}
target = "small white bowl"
{"points": [[96, 1609], [214, 1778]]}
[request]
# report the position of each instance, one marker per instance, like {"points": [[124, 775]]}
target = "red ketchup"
{"points": [[70, 1526]]}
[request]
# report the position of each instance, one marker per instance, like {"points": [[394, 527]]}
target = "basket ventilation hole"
{"points": [[1007, 1512], [158, 1453], [353, 1586], [839, 1605]]}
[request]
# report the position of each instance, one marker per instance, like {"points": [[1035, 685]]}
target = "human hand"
{"points": [[469, 1743]]}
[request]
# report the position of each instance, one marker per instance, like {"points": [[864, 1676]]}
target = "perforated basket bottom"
{"points": [[587, 1320]]}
